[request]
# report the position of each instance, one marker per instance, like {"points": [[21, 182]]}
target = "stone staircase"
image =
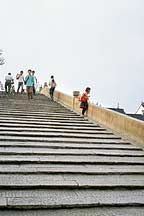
{"points": [[54, 162]]}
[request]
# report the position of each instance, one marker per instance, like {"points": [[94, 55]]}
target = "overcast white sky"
{"points": [[96, 43]]}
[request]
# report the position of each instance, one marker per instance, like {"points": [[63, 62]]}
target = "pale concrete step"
{"points": [[59, 134], [44, 118], [70, 181], [57, 130], [63, 169], [35, 107], [55, 123], [6, 137], [79, 121], [32, 199], [51, 126], [51, 151], [55, 111], [71, 159], [120, 146], [92, 211], [39, 113]]}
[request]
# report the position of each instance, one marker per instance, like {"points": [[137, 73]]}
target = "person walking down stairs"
{"points": [[29, 82], [20, 79], [52, 85], [8, 83], [35, 82], [84, 101]]}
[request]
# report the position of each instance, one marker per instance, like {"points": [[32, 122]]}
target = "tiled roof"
{"points": [[137, 116], [118, 110]]}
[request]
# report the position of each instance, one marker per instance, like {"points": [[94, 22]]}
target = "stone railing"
{"points": [[125, 125]]}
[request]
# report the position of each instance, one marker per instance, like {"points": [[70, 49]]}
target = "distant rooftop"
{"points": [[137, 116], [120, 110]]}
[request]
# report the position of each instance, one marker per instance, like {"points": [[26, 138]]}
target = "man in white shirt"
{"points": [[20, 79], [8, 83]]}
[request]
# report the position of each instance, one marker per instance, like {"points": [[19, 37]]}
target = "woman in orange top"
{"points": [[84, 100]]}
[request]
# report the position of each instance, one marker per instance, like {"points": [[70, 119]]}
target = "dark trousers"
{"points": [[34, 90], [84, 107], [51, 92], [84, 110], [20, 85], [8, 86]]}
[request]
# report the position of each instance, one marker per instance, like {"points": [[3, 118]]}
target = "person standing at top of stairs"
{"points": [[8, 83], [20, 79], [52, 85], [35, 82], [29, 82]]}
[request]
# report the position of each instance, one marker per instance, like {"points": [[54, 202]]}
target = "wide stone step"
{"points": [[44, 118], [51, 151], [25, 129], [120, 146], [59, 134], [71, 181], [55, 123], [97, 140], [31, 107], [39, 113], [42, 107], [32, 199], [73, 169], [42, 115], [51, 127], [71, 159], [92, 211], [61, 120]]}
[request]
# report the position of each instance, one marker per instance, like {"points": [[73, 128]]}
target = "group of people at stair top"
{"points": [[30, 81]]}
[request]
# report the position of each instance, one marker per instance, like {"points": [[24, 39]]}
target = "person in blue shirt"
{"points": [[29, 82]]}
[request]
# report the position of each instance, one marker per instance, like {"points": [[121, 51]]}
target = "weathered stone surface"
{"points": [[72, 198], [69, 145], [6, 137], [75, 159], [71, 181], [60, 135], [71, 168], [97, 211], [50, 157], [56, 130], [51, 151], [3, 202]]}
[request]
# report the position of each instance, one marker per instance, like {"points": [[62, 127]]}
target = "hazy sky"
{"points": [[96, 43]]}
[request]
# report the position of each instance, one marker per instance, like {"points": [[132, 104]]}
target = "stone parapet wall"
{"points": [[127, 126]]}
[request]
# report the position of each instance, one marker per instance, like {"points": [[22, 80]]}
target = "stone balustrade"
{"points": [[125, 125]]}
